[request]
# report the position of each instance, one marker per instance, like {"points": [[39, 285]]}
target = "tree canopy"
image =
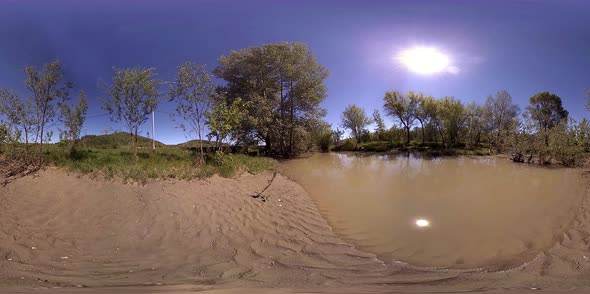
{"points": [[131, 97], [402, 107], [356, 120], [285, 84], [193, 91]]}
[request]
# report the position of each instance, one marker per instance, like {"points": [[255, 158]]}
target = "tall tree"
{"points": [[473, 124], [131, 98], [500, 115], [452, 118], [547, 111], [47, 87], [422, 112], [286, 84], [193, 89], [379, 124], [355, 119], [19, 112], [403, 107], [73, 119]]}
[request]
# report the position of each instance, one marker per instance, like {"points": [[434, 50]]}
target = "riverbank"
{"points": [[60, 229], [429, 149]]}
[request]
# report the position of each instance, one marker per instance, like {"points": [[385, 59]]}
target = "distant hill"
{"points": [[195, 143], [115, 140]]}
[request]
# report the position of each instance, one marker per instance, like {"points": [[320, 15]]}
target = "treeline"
{"points": [[271, 95], [543, 132]]}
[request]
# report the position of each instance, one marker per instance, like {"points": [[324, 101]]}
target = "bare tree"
{"points": [[193, 90], [132, 97]]}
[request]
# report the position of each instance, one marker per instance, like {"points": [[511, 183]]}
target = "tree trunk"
{"points": [[408, 135], [292, 117], [282, 118], [201, 158], [442, 136], [41, 135], [135, 145], [422, 127], [26, 136]]}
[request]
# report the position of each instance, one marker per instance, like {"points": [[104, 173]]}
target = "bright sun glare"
{"points": [[425, 60], [422, 223]]}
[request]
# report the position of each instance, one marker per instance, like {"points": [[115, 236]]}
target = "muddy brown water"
{"points": [[447, 212]]}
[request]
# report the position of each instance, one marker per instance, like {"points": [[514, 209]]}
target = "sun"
{"points": [[425, 60], [422, 223]]}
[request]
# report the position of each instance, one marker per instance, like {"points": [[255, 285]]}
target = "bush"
{"points": [[564, 147], [326, 141]]}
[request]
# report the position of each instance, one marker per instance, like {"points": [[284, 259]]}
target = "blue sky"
{"points": [[522, 46]]}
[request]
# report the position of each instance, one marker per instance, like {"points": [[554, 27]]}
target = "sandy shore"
{"points": [[67, 233]]}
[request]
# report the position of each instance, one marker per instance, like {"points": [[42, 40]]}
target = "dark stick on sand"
{"points": [[259, 195]]}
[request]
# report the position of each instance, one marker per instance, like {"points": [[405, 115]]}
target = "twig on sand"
{"points": [[262, 197], [12, 170], [170, 194]]}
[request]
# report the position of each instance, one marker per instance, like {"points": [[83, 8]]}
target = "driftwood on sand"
{"points": [[260, 195]]}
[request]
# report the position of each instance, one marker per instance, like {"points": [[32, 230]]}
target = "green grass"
{"points": [[166, 162]]}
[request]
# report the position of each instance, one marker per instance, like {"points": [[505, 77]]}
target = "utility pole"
{"points": [[153, 131]]}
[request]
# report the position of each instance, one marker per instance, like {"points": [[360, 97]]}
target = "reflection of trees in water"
{"points": [[401, 164]]}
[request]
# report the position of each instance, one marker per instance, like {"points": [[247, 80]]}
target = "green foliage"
{"points": [[47, 87], [402, 107], [19, 112], [285, 84], [224, 119], [379, 125], [73, 120], [565, 144], [521, 143], [337, 135], [499, 116], [355, 119], [546, 110], [451, 117], [6, 138], [193, 91], [326, 141], [166, 162], [583, 136], [474, 124], [132, 97]]}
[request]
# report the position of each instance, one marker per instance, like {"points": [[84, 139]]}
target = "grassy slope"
{"points": [[166, 162], [111, 156], [115, 140], [195, 143]]}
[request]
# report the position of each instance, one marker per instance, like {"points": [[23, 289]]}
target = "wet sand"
{"points": [[88, 235]]}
